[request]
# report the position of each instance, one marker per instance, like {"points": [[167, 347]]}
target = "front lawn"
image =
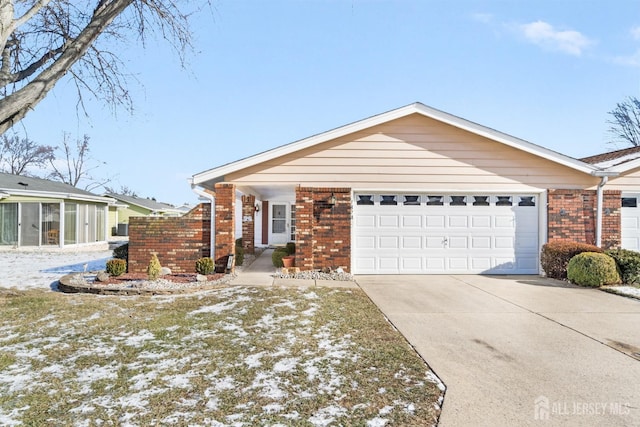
{"points": [[233, 356]]}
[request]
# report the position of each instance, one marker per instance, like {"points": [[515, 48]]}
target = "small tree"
{"points": [[625, 124], [76, 165], [18, 154]]}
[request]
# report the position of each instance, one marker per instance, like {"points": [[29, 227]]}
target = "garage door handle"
{"points": [[445, 241]]}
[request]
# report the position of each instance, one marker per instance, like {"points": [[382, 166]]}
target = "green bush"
{"points": [[239, 255], [291, 248], [556, 254], [122, 252], [116, 267], [239, 242], [205, 266], [154, 268], [277, 256], [593, 269], [629, 264]]}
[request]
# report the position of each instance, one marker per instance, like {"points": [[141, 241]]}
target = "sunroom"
{"points": [[37, 213]]}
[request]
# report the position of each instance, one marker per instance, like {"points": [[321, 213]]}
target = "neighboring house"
{"points": [[41, 213], [625, 167], [418, 191], [128, 206]]}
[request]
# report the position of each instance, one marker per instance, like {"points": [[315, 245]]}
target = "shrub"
{"points": [[239, 242], [205, 266], [556, 254], [122, 252], [154, 268], [116, 267], [593, 269], [239, 255], [277, 256], [291, 248], [629, 264]]}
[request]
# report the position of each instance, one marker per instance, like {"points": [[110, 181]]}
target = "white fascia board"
{"points": [[625, 167], [220, 172]]}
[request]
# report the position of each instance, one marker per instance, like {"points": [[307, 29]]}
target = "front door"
{"points": [[279, 223]]}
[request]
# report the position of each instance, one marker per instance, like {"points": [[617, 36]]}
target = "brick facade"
{"points": [[248, 224], [225, 221], [178, 242], [572, 216], [323, 231]]}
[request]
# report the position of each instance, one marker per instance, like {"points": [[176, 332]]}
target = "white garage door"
{"points": [[445, 234], [630, 222]]}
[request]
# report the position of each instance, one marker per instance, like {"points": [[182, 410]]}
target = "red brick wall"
{"points": [[572, 216], [225, 220], [178, 242], [323, 232], [248, 223]]}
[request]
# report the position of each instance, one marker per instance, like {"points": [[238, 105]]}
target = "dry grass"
{"points": [[232, 356]]}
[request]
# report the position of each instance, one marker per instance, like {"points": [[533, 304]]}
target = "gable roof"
{"points": [[18, 185], [144, 203], [619, 160], [217, 174]]}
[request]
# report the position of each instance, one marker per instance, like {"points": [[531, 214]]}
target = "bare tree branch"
{"points": [[18, 154], [625, 125], [41, 41]]}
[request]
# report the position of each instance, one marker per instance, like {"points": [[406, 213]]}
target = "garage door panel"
{"points": [[411, 242], [365, 242], [365, 221], [435, 221], [481, 242], [481, 221], [456, 242], [442, 238], [412, 221], [458, 221]]}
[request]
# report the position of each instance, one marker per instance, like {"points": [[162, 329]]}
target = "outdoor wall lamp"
{"points": [[257, 207], [563, 212], [332, 200]]}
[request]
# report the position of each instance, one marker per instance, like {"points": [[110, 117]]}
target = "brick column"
{"points": [[572, 216], [611, 221], [304, 228], [323, 231], [248, 223], [225, 220]]}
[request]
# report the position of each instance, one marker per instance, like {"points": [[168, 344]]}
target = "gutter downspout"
{"points": [[603, 181], [212, 199]]}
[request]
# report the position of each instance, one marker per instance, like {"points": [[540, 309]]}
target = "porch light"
{"points": [[257, 207], [332, 200]]}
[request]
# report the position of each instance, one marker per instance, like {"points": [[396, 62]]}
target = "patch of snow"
{"points": [[272, 408], [139, 340], [433, 378], [377, 422], [382, 390], [215, 309], [286, 365], [327, 415], [253, 360], [625, 290], [385, 410]]}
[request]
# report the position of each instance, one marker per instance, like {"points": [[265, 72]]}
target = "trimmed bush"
{"points": [[291, 248], [629, 264], [277, 255], [154, 268], [593, 269], [116, 267], [239, 242], [239, 255], [122, 252], [205, 266], [556, 254]]}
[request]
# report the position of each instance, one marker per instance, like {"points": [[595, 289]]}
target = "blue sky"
{"points": [[269, 73]]}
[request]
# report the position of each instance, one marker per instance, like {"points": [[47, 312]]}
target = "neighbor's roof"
{"points": [[217, 174], [620, 160], [18, 185], [144, 203]]}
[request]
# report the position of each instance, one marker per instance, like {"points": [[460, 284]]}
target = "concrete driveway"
{"points": [[520, 350]]}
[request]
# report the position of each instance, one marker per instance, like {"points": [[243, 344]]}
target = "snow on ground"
{"points": [[629, 291], [25, 270]]}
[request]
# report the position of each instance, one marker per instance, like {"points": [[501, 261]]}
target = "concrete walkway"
{"points": [[521, 350], [261, 272]]}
